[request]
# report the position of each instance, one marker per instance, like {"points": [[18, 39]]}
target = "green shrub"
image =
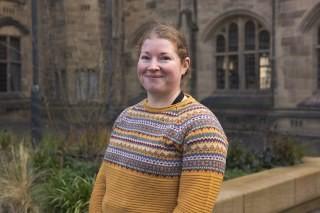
{"points": [[67, 192], [81, 167], [6, 138], [242, 159], [281, 151], [285, 151], [69, 185], [48, 154], [59, 177]]}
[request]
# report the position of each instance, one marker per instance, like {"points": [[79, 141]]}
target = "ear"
{"points": [[185, 65]]}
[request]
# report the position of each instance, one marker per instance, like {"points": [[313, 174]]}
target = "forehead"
{"points": [[158, 44]]}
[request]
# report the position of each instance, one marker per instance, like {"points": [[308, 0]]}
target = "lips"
{"points": [[153, 76]]}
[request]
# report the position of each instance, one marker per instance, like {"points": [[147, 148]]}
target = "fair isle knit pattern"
{"points": [[151, 142], [183, 144]]}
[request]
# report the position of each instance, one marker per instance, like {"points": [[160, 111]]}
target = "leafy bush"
{"points": [[67, 192], [69, 185], [285, 151], [48, 178], [5, 139], [281, 151], [243, 159], [48, 154]]}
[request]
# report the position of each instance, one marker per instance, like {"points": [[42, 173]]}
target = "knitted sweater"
{"points": [[162, 160]]}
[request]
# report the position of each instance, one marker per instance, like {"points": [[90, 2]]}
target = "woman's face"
{"points": [[159, 67]]}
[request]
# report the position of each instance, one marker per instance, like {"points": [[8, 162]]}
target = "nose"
{"points": [[153, 66]]}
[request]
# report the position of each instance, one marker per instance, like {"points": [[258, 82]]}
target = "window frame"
{"points": [[8, 61], [222, 30]]}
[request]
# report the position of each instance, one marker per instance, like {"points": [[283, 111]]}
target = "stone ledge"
{"points": [[271, 190]]}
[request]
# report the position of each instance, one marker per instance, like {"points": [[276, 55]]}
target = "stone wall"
{"points": [[71, 41], [295, 77], [284, 189]]}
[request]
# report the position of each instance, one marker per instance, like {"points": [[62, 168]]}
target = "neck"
{"points": [[158, 100]]}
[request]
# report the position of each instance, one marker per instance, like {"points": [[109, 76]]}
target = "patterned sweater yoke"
{"points": [[169, 159]]}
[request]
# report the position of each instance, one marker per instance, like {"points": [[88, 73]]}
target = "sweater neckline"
{"points": [[187, 99]]}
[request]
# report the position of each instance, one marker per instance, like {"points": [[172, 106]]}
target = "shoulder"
{"points": [[201, 124], [127, 111], [196, 114]]}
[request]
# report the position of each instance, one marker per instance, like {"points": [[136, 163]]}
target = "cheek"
{"points": [[140, 68]]}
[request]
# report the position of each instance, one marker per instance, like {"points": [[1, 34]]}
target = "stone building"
{"points": [[15, 57], [255, 63]]}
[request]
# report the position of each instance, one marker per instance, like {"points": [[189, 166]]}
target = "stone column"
{"points": [[187, 24]]}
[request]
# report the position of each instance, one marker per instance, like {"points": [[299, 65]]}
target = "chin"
{"points": [[153, 90]]}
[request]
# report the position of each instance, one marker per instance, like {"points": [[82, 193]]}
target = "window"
{"points": [[250, 35], [242, 55], [86, 85], [233, 37], [10, 64]]}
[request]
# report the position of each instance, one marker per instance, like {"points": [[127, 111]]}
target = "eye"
{"points": [[145, 57], [165, 58]]}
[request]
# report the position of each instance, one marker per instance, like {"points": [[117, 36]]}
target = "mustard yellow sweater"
{"points": [[162, 160]]}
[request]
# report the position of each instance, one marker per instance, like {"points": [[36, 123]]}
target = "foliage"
{"points": [[242, 159], [48, 154], [67, 192], [58, 175], [55, 152], [72, 158], [18, 179], [49, 178], [286, 151], [281, 151], [6, 138], [68, 187], [87, 143]]}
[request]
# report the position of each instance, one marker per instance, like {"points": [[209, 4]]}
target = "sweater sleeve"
{"points": [[99, 188], [95, 204], [204, 157]]}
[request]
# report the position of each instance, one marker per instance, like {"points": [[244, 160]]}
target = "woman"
{"points": [[168, 152]]}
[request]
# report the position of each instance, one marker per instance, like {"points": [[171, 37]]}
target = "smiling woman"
{"points": [[160, 70], [168, 152]]}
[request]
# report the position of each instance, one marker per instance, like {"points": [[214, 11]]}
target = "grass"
{"points": [[18, 180]]}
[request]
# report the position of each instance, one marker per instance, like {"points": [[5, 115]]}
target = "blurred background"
{"points": [[68, 68]]}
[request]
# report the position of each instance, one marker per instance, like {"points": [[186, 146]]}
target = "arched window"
{"points": [[10, 64], [245, 63]]}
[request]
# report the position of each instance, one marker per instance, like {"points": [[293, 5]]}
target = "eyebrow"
{"points": [[148, 53], [164, 53]]}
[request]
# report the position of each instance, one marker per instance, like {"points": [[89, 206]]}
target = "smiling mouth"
{"points": [[148, 76]]}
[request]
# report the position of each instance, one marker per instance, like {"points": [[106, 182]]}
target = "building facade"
{"points": [[255, 63]]}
